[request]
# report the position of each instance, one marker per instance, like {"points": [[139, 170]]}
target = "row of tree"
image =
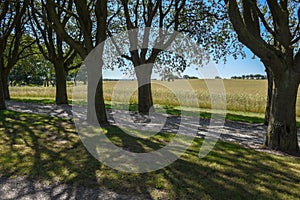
{"points": [[250, 76], [66, 31]]}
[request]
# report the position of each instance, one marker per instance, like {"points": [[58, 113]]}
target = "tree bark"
{"points": [[100, 104], [2, 100], [5, 85], [101, 15], [145, 102], [269, 98], [282, 131], [85, 46], [61, 84], [96, 112]]}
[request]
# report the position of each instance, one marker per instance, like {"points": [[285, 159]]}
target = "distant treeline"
{"points": [[251, 76]]}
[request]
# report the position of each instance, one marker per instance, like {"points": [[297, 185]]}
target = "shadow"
{"points": [[61, 111], [43, 157], [231, 172]]}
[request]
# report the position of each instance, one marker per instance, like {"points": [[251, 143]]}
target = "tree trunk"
{"points": [[269, 100], [61, 84], [100, 104], [5, 85], [282, 131], [145, 101], [96, 112], [2, 100]]}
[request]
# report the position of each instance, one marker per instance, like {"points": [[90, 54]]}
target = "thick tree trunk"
{"points": [[145, 101], [96, 112], [61, 84], [282, 131], [2, 100], [100, 104], [5, 85], [269, 98]]}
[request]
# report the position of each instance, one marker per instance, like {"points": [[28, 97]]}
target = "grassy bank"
{"points": [[49, 149]]}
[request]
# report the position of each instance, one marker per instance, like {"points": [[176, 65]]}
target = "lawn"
{"points": [[49, 149], [247, 96]]}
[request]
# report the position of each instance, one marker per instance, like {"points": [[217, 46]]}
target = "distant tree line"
{"points": [[251, 76], [190, 77]]}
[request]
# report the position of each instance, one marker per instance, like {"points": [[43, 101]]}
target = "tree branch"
{"points": [[258, 46], [117, 47]]}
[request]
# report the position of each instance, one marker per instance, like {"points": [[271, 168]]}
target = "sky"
{"points": [[241, 67], [231, 68]]}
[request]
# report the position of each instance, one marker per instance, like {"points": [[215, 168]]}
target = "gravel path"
{"points": [[22, 188], [246, 134]]}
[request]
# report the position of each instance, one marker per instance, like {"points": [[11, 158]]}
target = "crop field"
{"points": [[241, 95]]}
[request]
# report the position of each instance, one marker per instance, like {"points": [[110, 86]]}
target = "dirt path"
{"points": [[246, 134], [23, 188]]}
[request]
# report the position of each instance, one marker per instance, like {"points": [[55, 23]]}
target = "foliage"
{"points": [[32, 71], [12, 28], [31, 68], [251, 76]]}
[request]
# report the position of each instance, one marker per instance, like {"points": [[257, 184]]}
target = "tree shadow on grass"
{"points": [[37, 147], [50, 151], [231, 172]]}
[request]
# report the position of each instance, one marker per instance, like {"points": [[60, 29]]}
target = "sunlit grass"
{"points": [[49, 149], [241, 95]]}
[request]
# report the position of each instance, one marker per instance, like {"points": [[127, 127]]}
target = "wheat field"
{"points": [[241, 95]]}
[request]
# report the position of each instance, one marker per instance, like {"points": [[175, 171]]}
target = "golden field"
{"points": [[241, 95]]}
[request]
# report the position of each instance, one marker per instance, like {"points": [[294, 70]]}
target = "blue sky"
{"points": [[231, 68], [241, 66]]}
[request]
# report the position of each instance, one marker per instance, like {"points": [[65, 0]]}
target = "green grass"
{"points": [[204, 113], [49, 149], [37, 100]]}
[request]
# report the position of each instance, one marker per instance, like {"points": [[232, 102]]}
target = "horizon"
{"points": [[232, 67]]}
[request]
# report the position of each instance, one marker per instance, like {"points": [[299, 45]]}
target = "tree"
{"points": [[2, 100], [196, 18], [91, 19], [271, 31], [33, 70], [12, 28], [269, 96], [53, 48]]}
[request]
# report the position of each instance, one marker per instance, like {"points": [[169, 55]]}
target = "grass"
{"points": [[49, 149], [36, 100], [245, 98]]}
